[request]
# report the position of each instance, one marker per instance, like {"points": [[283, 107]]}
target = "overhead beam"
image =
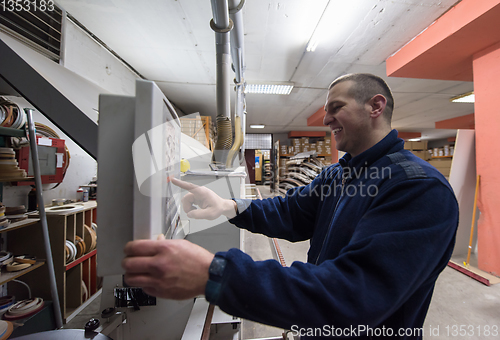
{"points": [[444, 50], [48, 100], [316, 119], [409, 135], [295, 134], [462, 122]]}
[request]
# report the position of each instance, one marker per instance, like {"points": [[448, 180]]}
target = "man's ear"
{"points": [[377, 104]]}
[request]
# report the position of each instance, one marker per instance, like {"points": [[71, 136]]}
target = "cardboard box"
{"points": [[425, 155], [421, 145], [440, 163]]}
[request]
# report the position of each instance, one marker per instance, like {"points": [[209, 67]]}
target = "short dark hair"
{"points": [[365, 86]]}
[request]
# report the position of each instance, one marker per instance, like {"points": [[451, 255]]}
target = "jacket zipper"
{"points": [[334, 213]]}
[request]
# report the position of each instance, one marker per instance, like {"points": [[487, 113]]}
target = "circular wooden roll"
{"points": [[9, 119], [85, 291], [94, 239], [72, 250], [21, 209], [80, 246], [16, 266], [67, 252], [87, 237]]}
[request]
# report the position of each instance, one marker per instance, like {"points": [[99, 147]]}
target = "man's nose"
{"points": [[327, 119]]}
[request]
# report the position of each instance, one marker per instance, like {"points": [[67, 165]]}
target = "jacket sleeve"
{"points": [[404, 240], [291, 217]]}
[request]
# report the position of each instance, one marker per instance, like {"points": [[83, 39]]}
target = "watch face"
{"points": [[217, 266]]}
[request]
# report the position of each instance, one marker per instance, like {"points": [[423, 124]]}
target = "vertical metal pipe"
{"points": [[238, 57], [237, 42], [43, 218], [220, 13], [221, 24]]}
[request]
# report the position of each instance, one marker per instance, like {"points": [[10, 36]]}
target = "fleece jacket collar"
{"points": [[389, 144]]}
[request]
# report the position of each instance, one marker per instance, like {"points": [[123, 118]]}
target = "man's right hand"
{"points": [[209, 205]]}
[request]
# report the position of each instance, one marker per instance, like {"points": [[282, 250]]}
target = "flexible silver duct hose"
{"points": [[224, 140], [225, 134]]}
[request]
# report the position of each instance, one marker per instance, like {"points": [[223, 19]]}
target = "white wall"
{"points": [[89, 69], [84, 56]]}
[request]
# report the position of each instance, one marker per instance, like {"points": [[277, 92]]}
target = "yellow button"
{"points": [[185, 165]]}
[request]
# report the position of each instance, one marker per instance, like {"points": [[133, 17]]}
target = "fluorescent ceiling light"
{"points": [[464, 98], [338, 12], [258, 126], [414, 140], [313, 42], [269, 88]]}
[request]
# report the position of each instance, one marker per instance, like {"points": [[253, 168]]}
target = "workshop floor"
{"points": [[459, 304]]}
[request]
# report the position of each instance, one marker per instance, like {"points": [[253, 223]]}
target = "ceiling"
{"points": [[171, 42]]}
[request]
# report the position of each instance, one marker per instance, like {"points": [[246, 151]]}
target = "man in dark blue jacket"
{"points": [[381, 225]]}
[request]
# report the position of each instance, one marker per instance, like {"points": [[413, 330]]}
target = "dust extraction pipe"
{"points": [[238, 57], [222, 25]]}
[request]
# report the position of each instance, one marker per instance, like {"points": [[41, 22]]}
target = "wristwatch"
{"points": [[215, 272]]}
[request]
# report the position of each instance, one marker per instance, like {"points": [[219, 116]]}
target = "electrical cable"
{"points": [[24, 283]]}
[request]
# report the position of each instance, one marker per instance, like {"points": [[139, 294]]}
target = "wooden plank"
{"points": [[70, 228], [79, 220], [20, 224], [87, 217], [80, 259], [86, 276], [9, 276], [208, 322], [93, 275]]}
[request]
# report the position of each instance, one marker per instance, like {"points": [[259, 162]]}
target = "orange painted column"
{"points": [[486, 65]]}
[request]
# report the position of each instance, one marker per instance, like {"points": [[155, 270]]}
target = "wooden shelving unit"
{"points": [[6, 276], [40, 246], [69, 276]]}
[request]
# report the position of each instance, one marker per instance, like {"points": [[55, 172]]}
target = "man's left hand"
{"points": [[170, 269]]}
